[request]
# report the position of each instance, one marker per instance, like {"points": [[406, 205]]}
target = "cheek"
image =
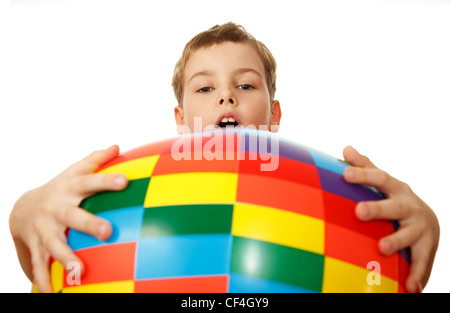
{"points": [[258, 111], [198, 107]]}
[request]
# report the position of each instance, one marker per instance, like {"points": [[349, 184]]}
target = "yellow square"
{"points": [[126, 286], [57, 276], [134, 169], [191, 188], [340, 277], [279, 227], [34, 288]]}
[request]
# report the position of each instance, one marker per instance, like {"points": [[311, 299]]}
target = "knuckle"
{"points": [[405, 188], [48, 242], [85, 185], [416, 232], [95, 156], [55, 189], [82, 183], [67, 215], [103, 180], [384, 177], [38, 259], [402, 209], [417, 212], [366, 159], [88, 184]]}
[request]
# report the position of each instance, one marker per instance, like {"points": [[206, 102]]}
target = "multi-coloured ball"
{"points": [[239, 211]]}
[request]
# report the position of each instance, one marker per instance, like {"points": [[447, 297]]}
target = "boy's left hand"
{"points": [[419, 227]]}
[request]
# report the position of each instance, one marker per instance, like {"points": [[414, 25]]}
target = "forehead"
{"points": [[224, 57]]}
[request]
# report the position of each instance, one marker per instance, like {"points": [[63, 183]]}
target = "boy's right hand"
{"points": [[40, 217]]}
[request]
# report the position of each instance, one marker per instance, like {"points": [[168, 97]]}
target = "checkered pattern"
{"points": [[226, 226]]}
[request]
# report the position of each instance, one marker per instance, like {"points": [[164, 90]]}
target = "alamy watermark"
{"points": [[374, 277], [264, 147], [73, 277]]}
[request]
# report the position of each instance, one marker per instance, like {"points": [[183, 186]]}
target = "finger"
{"points": [[39, 261], [389, 209], [375, 178], [61, 252], [83, 221], [417, 271], [87, 185], [402, 238], [93, 161], [356, 159]]}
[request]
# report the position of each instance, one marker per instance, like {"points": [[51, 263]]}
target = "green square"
{"points": [[187, 219], [279, 263], [133, 195]]}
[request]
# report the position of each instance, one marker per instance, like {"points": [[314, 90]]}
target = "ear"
{"points": [[275, 116], [179, 119]]}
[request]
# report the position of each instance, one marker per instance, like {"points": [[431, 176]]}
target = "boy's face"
{"points": [[226, 80]]}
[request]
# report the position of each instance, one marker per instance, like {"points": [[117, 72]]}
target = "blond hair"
{"points": [[216, 35]]}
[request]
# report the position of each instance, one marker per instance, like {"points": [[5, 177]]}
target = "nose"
{"points": [[226, 97], [222, 101]]}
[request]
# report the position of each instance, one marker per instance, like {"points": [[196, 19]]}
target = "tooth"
{"points": [[231, 120], [224, 120]]}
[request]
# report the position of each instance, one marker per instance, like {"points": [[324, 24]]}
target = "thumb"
{"points": [[97, 158], [352, 156]]}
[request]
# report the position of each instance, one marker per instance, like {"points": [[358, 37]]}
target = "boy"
{"points": [[224, 77]]}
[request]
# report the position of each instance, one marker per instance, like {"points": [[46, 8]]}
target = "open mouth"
{"points": [[228, 122]]}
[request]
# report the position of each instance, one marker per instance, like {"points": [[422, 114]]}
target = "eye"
{"points": [[205, 89], [245, 87]]}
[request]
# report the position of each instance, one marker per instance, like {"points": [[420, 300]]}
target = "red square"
{"points": [[208, 284], [168, 165], [139, 152], [287, 169], [352, 247], [280, 194], [403, 274], [202, 145], [341, 211], [112, 262]]}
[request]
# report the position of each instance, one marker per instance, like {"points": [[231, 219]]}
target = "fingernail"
{"points": [[101, 229], [350, 173], [387, 246], [119, 181], [363, 211]]}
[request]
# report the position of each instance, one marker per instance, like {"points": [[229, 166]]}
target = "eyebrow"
{"points": [[199, 74], [238, 71], [247, 69]]}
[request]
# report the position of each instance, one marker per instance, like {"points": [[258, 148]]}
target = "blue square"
{"points": [[126, 224], [184, 255], [247, 284], [328, 162]]}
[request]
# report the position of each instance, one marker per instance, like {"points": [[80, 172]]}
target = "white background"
{"points": [[79, 77]]}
